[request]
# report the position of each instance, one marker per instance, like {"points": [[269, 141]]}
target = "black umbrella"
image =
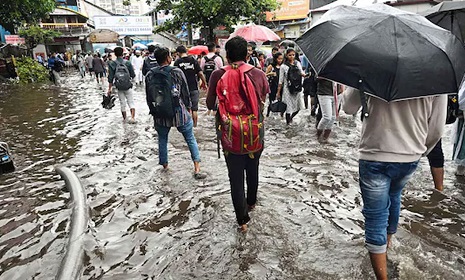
{"points": [[385, 52], [449, 15], [287, 43]]}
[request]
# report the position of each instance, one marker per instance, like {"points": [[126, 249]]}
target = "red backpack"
{"points": [[240, 120]]}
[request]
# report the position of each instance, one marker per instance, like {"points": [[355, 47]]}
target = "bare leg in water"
{"points": [[379, 264]]}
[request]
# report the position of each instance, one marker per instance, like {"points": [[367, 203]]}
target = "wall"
{"points": [[417, 8], [40, 49]]}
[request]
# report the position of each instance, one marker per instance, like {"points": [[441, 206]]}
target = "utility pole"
{"points": [[189, 35]]}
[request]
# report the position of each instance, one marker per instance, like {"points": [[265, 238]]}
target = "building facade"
{"points": [[117, 7], [73, 27]]}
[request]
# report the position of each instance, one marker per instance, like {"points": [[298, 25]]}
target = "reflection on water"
{"points": [[150, 224]]}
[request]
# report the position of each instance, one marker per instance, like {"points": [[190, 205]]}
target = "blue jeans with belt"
{"points": [[188, 133], [381, 184]]}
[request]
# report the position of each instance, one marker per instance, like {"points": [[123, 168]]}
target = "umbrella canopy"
{"points": [[287, 43], [198, 50], [385, 52], [154, 43], [139, 46], [449, 15], [255, 33]]}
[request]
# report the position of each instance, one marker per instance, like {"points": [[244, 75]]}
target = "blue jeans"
{"points": [[188, 133], [381, 184]]}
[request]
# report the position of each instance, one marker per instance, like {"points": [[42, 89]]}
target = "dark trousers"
{"points": [[237, 164], [436, 156]]}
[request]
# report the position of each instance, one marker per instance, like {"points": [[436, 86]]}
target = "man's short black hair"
{"points": [[211, 47], [275, 49], [181, 49], [236, 49], [118, 51], [162, 54], [152, 48]]}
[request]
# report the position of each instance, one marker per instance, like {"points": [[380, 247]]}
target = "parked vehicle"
{"points": [[6, 162]]}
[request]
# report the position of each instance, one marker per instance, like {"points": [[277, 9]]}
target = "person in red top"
{"points": [[236, 53]]}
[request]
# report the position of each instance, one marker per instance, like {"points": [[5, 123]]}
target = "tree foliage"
{"points": [[13, 13], [34, 35], [213, 13], [30, 71]]}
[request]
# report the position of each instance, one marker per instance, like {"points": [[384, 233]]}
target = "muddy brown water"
{"points": [[149, 224]]}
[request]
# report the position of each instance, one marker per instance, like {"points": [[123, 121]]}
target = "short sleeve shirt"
{"points": [[190, 66]]}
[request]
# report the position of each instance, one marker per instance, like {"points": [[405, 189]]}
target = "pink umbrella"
{"points": [[256, 33], [198, 50]]}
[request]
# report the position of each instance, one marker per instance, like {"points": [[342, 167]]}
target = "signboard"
{"points": [[290, 9], [103, 36], [164, 16], [125, 25], [14, 40]]}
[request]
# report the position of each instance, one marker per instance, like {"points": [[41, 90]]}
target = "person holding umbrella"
{"points": [[394, 137], [387, 55]]}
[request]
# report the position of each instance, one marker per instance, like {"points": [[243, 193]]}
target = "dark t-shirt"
{"points": [[190, 66]]}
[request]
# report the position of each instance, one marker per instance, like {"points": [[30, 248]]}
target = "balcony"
{"points": [[68, 29]]}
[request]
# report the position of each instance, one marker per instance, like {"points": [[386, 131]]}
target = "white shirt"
{"points": [[137, 63], [218, 61]]}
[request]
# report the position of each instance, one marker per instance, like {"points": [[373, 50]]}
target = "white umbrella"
{"points": [[139, 46], [154, 43]]}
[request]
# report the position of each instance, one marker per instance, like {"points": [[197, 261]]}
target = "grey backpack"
{"points": [[122, 76]]}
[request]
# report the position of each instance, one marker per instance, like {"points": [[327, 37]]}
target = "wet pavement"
{"points": [[150, 224]]}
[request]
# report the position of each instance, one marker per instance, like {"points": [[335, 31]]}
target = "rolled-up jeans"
{"points": [[381, 184], [126, 96], [328, 111], [186, 131]]}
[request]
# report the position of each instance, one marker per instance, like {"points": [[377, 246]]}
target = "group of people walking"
{"points": [[238, 93]]}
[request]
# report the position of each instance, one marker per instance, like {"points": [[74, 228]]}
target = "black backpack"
{"points": [[158, 88], [122, 76], [209, 66], [58, 66], [150, 62], [294, 79], [453, 111]]}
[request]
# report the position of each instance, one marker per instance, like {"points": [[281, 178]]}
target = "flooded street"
{"points": [[150, 224]]}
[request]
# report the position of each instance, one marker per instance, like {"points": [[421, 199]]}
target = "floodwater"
{"points": [[150, 224]]}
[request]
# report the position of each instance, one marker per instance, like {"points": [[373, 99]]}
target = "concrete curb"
{"points": [[71, 265]]}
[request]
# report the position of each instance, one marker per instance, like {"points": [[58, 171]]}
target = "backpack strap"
{"points": [[167, 69], [207, 59]]}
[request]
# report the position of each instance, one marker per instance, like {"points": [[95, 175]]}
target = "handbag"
{"points": [[278, 106]]}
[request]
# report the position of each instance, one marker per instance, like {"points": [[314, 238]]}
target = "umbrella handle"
{"points": [[363, 100]]}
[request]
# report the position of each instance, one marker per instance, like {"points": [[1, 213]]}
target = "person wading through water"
{"points": [[272, 72], [193, 72], [240, 122], [394, 138], [169, 102], [290, 85]]}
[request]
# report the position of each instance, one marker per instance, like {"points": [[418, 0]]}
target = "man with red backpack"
{"points": [[241, 91]]}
